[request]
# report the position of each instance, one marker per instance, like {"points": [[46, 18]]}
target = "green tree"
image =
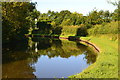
{"points": [[106, 16], [116, 14], [14, 19]]}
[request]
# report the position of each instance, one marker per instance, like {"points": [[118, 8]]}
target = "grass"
{"points": [[106, 65], [105, 28], [69, 31]]}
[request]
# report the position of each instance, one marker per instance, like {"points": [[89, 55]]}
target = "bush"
{"points": [[82, 31], [108, 28], [69, 30]]}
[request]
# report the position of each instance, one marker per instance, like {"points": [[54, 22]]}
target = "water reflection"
{"points": [[89, 55], [45, 58]]}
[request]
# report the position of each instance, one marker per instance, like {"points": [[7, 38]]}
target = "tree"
{"points": [[116, 3], [115, 15], [14, 19]]}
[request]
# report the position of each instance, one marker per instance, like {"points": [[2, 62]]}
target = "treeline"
{"points": [[61, 48], [18, 19], [64, 22], [66, 17]]}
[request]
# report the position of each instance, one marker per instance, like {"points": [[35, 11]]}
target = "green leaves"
{"points": [[17, 19]]}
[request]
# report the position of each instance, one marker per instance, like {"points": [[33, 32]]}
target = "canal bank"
{"points": [[106, 65], [46, 58]]}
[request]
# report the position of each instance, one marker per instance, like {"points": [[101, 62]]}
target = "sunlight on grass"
{"points": [[106, 65]]}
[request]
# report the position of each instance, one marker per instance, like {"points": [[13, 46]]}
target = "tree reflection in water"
{"points": [[18, 59], [63, 48]]}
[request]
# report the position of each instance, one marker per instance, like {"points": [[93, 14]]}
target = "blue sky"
{"points": [[80, 6]]}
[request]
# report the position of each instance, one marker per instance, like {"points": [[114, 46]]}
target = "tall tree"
{"points": [[15, 22]]}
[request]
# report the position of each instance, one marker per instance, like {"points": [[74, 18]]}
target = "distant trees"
{"points": [[19, 17], [116, 14], [66, 17]]}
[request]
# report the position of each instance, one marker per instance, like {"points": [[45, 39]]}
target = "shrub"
{"points": [[107, 28], [82, 31]]}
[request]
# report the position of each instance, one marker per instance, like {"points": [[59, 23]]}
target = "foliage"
{"points": [[57, 31], [81, 31], [69, 30], [15, 19], [66, 20], [19, 18], [105, 28], [106, 65]]}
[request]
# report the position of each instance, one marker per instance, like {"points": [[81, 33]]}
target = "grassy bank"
{"points": [[69, 31], [106, 39], [106, 65]]}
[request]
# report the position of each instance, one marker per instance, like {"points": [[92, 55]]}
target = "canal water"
{"points": [[45, 58]]}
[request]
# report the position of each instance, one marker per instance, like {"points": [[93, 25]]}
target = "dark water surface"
{"points": [[45, 58]]}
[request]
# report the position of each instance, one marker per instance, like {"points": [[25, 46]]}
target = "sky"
{"points": [[80, 6]]}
